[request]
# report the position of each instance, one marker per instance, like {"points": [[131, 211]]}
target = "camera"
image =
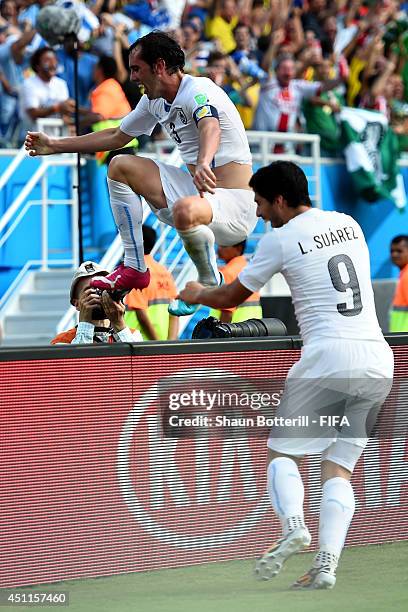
{"points": [[98, 313], [252, 328]]}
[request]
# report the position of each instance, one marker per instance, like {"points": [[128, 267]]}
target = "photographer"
{"points": [[100, 317]]}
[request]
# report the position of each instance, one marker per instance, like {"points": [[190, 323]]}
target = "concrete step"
{"points": [[44, 300], [45, 280], [40, 323]]}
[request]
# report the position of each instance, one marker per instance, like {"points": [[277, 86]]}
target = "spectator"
{"points": [[399, 309], [15, 51], [312, 20], [243, 44], [9, 16], [108, 105], [93, 326], [147, 308], [236, 261], [224, 72], [261, 17], [86, 64], [195, 53], [375, 97], [44, 94], [103, 43], [394, 93], [28, 12], [108, 99], [221, 22], [294, 35], [282, 95], [320, 113]]}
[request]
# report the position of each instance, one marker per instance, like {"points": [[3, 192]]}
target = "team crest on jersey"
{"points": [[182, 115], [200, 98]]}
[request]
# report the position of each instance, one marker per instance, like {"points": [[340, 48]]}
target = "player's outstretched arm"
{"points": [[38, 143], [225, 296]]}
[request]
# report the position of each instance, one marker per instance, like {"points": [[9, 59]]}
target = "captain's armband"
{"points": [[205, 111]]}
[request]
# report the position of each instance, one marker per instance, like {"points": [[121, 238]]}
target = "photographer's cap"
{"points": [[88, 268]]}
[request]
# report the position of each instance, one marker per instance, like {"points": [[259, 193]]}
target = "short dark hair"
{"points": [[283, 57], [282, 178], [37, 55], [400, 238], [149, 238], [108, 66], [215, 56], [159, 45], [239, 25]]}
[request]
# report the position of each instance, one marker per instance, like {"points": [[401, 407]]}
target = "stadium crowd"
{"points": [[269, 55]]}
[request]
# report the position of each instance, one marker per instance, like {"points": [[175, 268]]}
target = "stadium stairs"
{"points": [[38, 307]]}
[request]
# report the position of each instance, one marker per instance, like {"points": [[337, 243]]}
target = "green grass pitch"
{"points": [[370, 579]]}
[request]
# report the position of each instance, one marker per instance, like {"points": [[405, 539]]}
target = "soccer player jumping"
{"points": [[213, 203], [324, 258]]}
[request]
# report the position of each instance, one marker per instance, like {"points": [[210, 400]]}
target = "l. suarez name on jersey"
{"points": [[330, 238]]}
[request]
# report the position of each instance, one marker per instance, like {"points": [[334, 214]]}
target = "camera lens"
{"points": [[252, 328]]}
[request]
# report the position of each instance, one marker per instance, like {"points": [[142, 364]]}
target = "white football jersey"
{"points": [[324, 258], [197, 98], [279, 107]]}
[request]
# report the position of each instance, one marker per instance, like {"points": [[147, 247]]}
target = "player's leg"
{"points": [[192, 216], [336, 512], [127, 183], [286, 493], [287, 444], [226, 217], [340, 458]]}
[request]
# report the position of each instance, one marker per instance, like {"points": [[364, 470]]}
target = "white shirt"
{"points": [[324, 258], [279, 107], [36, 93], [85, 334], [197, 97]]}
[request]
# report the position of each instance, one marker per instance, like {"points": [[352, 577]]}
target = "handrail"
{"points": [[42, 125], [23, 211], [45, 164], [18, 209], [4, 178]]}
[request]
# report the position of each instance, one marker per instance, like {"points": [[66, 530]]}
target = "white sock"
{"points": [[336, 511], [127, 211], [199, 244], [286, 492]]}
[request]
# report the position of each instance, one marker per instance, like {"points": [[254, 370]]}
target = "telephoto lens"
{"points": [[252, 328]]}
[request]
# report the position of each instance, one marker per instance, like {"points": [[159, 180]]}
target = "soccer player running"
{"points": [[324, 258], [212, 203]]}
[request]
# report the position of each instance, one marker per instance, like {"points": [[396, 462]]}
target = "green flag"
{"points": [[371, 152]]}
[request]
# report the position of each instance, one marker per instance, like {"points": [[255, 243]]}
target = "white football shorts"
{"points": [[234, 210], [334, 377]]}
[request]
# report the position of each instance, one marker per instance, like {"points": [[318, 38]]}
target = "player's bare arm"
{"points": [[209, 135], [38, 143], [225, 296]]}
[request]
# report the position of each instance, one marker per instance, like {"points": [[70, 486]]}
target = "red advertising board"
{"points": [[90, 487]]}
